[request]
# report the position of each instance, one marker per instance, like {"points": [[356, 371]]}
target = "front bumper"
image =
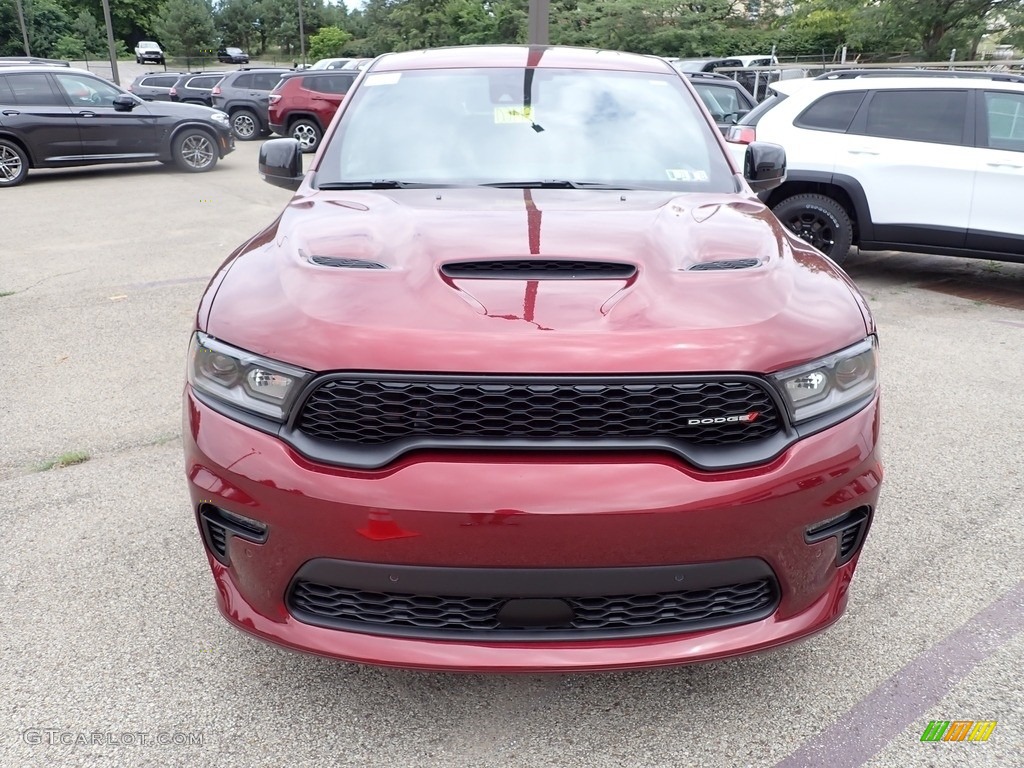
{"points": [[519, 512]]}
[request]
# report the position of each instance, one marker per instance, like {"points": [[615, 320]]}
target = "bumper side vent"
{"points": [[217, 525], [848, 530], [708, 266], [539, 269]]}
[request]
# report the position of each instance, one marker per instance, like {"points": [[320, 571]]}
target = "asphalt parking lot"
{"points": [[110, 626]]}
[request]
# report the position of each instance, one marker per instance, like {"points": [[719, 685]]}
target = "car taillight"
{"points": [[173, 91], [742, 134], [129, 88], [275, 97], [216, 90]]}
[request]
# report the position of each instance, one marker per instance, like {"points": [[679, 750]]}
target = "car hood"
{"points": [[406, 314], [178, 109]]}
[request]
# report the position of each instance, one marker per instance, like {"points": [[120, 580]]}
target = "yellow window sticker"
{"points": [[513, 114]]}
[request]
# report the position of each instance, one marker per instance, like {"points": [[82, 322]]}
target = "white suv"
{"points": [[923, 161]]}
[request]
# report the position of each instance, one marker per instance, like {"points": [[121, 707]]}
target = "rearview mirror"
{"points": [[764, 165], [124, 103], [281, 163]]}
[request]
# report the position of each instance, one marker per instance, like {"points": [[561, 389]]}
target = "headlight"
{"points": [[247, 381], [219, 117], [831, 382]]}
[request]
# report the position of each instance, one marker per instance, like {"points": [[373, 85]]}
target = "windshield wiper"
{"points": [[553, 184], [378, 184]]}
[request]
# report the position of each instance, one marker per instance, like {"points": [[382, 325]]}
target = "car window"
{"points": [[721, 101], [242, 81], [160, 81], [330, 83], [204, 83], [1005, 112], [506, 125], [33, 90], [6, 96], [833, 112], [234, 51], [927, 115], [265, 81], [87, 90]]}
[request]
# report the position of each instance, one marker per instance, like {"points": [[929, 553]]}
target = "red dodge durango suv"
{"points": [[525, 377]]}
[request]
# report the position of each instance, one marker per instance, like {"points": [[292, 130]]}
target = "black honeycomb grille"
{"points": [[368, 411], [525, 269], [383, 612]]}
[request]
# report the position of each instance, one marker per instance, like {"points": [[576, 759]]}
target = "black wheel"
{"points": [[244, 124], [307, 133], [819, 220], [138, 60], [195, 151], [13, 164]]}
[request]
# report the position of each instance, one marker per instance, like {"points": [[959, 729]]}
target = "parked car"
{"points": [[725, 98], [55, 118], [19, 61], [245, 94], [148, 51], [900, 160], [232, 56], [196, 87], [330, 63], [303, 104], [526, 377], [154, 86]]}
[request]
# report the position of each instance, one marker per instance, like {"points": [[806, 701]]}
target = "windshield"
{"points": [[496, 126]]}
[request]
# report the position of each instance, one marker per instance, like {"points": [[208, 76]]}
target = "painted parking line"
{"points": [[901, 700]]}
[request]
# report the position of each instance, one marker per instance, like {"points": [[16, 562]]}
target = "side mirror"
{"points": [[764, 165], [124, 103], [281, 163]]}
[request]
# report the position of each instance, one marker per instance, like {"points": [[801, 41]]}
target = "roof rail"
{"points": [[850, 74]]}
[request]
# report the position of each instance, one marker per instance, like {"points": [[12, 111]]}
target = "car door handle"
{"points": [[11, 112], [861, 152], [990, 165], [87, 114]]}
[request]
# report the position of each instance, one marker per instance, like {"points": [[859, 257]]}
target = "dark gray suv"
{"points": [[54, 117], [245, 95]]}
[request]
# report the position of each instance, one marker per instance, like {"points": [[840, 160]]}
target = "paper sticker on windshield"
{"points": [[681, 174], [382, 78], [513, 114]]}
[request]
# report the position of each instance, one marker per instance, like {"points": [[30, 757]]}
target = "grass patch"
{"points": [[7, 293], [64, 460]]}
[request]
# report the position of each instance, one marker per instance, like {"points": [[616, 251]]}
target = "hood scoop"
{"points": [[539, 269], [708, 266], [332, 261]]}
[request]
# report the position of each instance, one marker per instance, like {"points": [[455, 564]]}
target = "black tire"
{"points": [[245, 125], [195, 151], [307, 133], [819, 220], [138, 60], [13, 164]]}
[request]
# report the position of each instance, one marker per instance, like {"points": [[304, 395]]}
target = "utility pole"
{"points": [[302, 36], [110, 43], [24, 29], [537, 22]]}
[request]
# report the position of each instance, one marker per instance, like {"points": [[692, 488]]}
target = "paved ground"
{"points": [[109, 624]]}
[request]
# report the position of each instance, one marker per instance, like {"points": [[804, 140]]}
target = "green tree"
{"points": [[328, 43], [236, 22], [87, 31], [185, 28]]}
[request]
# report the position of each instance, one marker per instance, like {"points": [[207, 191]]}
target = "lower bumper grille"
{"points": [[524, 615]]}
